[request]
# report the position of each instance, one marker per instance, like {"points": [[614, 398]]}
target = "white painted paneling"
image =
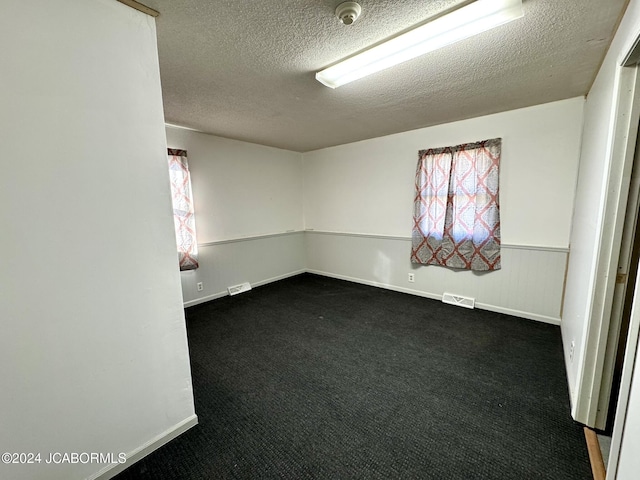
{"points": [[93, 350], [529, 284], [368, 186], [240, 189], [257, 261], [587, 230]]}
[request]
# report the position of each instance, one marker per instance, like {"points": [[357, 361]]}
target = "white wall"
{"points": [[367, 188], [93, 351], [586, 235], [248, 210]]}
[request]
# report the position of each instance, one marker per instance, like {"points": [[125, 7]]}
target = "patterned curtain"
{"points": [[456, 215], [183, 216]]}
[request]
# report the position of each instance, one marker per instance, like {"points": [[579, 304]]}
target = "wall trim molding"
{"points": [[435, 296], [249, 238], [214, 296], [358, 235], [378, 236], [543, 248], [140, 7], [146, 448]]}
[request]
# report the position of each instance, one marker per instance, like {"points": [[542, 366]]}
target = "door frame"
{"points": [[623, 295], [610, 228]]}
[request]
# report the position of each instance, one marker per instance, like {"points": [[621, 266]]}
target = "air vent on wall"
{"points": [[236, 289], [461, 301]]}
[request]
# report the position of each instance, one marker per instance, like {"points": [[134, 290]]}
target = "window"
{"points": [[456, 219], [183, 216]]}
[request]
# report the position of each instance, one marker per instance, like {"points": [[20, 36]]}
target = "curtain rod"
{"points": [[140, 7]]}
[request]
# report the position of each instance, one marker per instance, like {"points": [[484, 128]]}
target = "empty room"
{"points": [[319, 239]]}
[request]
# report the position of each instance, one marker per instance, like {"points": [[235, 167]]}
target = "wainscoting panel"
{"points": [[530, 283], [257, 260]]}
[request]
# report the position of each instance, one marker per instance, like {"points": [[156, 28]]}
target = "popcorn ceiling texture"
{"points": [[245, 70]]}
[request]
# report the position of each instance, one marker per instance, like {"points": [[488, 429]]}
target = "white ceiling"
{"points": [[245, 69]]}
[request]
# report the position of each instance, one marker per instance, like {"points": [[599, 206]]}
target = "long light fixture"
{"points": [[472, 19]]}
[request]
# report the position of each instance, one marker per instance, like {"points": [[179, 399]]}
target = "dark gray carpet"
{"points": [[312, 377]]}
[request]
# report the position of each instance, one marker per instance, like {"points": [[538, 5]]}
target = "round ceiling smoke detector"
{"points": [[348, 12]]}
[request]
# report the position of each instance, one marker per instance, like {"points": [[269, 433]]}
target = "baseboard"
{"points": [[142, 451], [279, 277], [436, 296], [371, 283], [595, 454], [395, 288], [198, 301], [519, 313]]}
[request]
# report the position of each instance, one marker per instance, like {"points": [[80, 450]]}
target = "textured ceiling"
{"points": [[245, 70]]}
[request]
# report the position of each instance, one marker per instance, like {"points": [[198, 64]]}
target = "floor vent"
{"points": [[466, 302], [236, 289]]}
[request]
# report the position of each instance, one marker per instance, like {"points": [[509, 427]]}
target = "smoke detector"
{"points": [[348, 12]]}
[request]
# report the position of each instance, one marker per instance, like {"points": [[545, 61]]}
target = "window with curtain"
{"points": [[456, 218], [183, 216]]}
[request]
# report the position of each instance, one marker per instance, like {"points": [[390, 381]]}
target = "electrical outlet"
{"points": [[412, 277], [200, 286], [571, 349]]}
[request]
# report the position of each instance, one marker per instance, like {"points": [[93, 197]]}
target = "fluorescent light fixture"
{"points": [[477, 17]]}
